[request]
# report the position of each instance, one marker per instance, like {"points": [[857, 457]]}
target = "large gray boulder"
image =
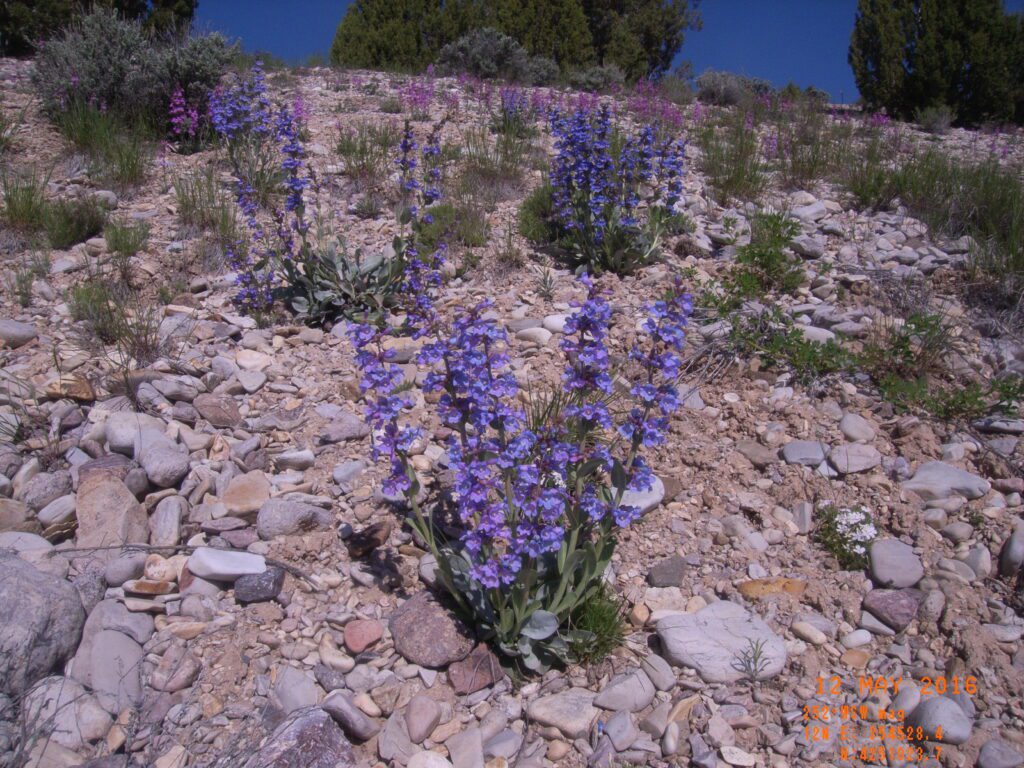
{"points": [[716, 641], [935, 480], [41, 618]]}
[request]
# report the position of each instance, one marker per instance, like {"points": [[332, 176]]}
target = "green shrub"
{"points": [[598, 626], [92, 303], [509, 254], [536, 216], [125, 162], [956, 401], [807, 146], [731, 158], [68, 222], [908, 350], [391, 105], [493, 165], [675, 89], [19, 284], [765, 263], [121, 326], [124, 241], [117, 151], [865, 170], [105, 60], [24, 200], [935, 119], [463, 224], [89, 128], [203, 204], [984, 200], [365, 150], [778, 343]]}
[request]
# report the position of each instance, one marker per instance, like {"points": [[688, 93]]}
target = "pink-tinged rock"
{"points": [[362, 633], [108, 513], [895, 608], [219, 410]]}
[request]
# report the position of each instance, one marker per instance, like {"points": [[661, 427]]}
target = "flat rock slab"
{"points": [[714, 639], [477, 671], [852, 458], [647, 500], [308, 739], [571, 711], [895, 608], [108, 513], [808, 453], [246, 493], [16, 334], [282, 517], [757, 589], [220, 411], [894, 564], [426, 633], [224, 565], [998, 754], [941, 719], [935, 480]]}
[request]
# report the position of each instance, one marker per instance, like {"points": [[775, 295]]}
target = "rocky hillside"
{"points": [[199, 566]]}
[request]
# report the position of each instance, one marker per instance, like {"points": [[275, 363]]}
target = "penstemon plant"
{"points": [[296, 257], [597, 178], [243, 118], [539, 492]]}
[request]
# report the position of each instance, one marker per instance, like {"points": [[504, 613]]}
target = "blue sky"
{"points": [[779, 40]]}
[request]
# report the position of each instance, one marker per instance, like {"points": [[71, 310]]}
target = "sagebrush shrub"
{"points": [[597, 78], [727, 89], [542, 71], [488, 54], [114, 64]]}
